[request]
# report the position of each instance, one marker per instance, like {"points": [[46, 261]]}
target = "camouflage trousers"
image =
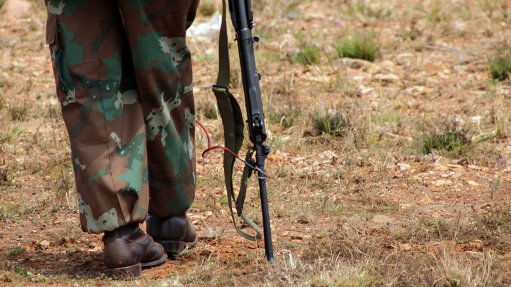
{"points": [[124, 80]]}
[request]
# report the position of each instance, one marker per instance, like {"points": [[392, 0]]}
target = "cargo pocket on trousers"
{"points": [[51, 29], [63, 79], [51, 35]]}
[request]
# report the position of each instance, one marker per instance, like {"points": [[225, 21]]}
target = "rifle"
{"points": [[230, 112]]}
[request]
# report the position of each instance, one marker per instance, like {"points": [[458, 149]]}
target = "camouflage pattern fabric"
{"points": [[124, 80]]}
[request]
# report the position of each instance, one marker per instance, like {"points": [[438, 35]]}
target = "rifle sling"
{"points": [[232, 120]]}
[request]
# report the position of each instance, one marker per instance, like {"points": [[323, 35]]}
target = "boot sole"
{"points": [[133, 271], [155, 262], [123, 273], [176, 247]]}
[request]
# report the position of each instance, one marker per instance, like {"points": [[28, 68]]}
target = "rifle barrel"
{"points": [[249, 74], [241, 14], [260, 157]]}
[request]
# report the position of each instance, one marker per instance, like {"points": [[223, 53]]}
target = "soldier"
{"points": [[124, 80]]}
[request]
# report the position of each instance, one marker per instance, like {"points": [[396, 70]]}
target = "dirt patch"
{"points": [[365, 207]]}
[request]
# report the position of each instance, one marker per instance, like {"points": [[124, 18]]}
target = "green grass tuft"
{"points": [[500, 66], [286, 119], [19, 113], [209, 111], [308, 55], [330, 122], [17, 250], [450, 140], [358, 46], [365, 8]]}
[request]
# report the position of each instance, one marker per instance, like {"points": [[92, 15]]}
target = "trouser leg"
{"points": [[156, 32], [101, 110]]}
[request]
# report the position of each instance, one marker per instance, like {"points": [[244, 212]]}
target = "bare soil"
{"points": [[370, 200]]}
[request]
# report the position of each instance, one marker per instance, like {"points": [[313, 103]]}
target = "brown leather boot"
{"points": [[127, 249], [175, 233]]}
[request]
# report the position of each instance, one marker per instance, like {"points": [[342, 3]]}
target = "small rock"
{"points": [[44, 244], [418, 90], [441, 168], [210, 51], [328, 154], [389, 65], [403, 166], [442, 182], [457, 166], [387, 78], [311, 133], [404, 59], [475, 120], [405, 247], [353, 63], [448, 174], [426, 199], [296, 235], [472, 183], [290, 44], [359, 78], [365, 90]]}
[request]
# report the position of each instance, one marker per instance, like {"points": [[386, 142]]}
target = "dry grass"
{"points": [[393, 172]]}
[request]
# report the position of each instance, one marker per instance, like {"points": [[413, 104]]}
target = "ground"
{"points": [[374, 203]]}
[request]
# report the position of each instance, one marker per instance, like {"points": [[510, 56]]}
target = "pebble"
{"points": [[403, 166], [472, 183], [352, 63], [386, 77], [442, 182]]}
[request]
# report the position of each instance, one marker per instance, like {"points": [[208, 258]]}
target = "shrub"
{"points": [[308, 55], [358, 46], [330, 122], [286, 119], [500, 66], [19, 113], [450, 139]]}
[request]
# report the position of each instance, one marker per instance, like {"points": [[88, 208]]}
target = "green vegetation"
{"points": [[10, 132], [449, 139], [17, 250], [208, 110], [308, 55], [500, 66], [361, 169], [4, 81], [285, 119], [19, 113], [330, 122], [7, 212], [366, 8], [358, 46]]}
